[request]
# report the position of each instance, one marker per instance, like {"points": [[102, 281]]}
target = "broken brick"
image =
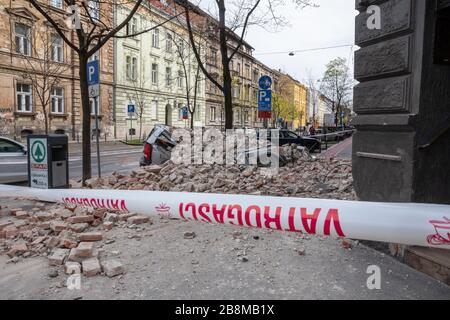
{"points": [[138, 219], [11, 232], [44, 216], [3, 225], [112, 267], [91, 267], [17, 249], [84, 249], [90, 236], [78, 227], [108, 225], [38, 240], [58, 226], [80, 219], [22, 214], [52, 242], [125, 217], [57, 257], [68, 243], [71, 267]]}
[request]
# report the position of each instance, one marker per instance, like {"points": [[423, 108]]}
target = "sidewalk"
{"points": [[341, 150]]}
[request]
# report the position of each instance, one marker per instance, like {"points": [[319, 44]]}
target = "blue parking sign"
{"points": [[131, 108], [92, 72]]}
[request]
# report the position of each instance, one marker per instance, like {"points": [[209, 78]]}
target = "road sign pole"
{"points": [[96, 105]]}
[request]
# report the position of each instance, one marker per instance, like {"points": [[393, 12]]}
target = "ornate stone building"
{"points": [[29, 48]]}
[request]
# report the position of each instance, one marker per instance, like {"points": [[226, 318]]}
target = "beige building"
{"points": [[155, 71], [24, 66]]}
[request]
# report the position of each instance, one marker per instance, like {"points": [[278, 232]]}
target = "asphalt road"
{"points": [[111, 160]]}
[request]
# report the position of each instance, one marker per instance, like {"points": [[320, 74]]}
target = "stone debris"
{"points": [[189, 235], [90, 236], [58, 257], [84, 249], [91, 267], [138, 220], [66, 234], [71, 267], [112, 267]]}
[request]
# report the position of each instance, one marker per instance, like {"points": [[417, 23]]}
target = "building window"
{"points": [[56, 3], [255, 75], [180, 111], [154, 73], [131, 26], [212, 114], [94, 9], [23, 39], [155, 38], [94, 105], [181, 45], [154, 109], [57, 100], [213, 57], [24, 101], [246, 117], [131, 67], [237, 118], [180, 79], [57, 48], [247, 71], [169, 39], [238, 68], [168, 76]]}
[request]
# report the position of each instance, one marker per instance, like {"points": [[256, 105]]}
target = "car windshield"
{"points": [[9, 147]]}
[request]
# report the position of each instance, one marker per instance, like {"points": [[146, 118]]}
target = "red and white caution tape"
{"points": [[404, 223]]}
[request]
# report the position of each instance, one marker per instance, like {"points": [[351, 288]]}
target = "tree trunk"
{"points": [[227, 80], [86, 124]]}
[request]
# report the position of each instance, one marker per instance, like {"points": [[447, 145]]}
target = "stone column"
{"points": [[401, 150]]}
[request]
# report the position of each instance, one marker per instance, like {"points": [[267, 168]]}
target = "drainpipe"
{"points": [[114, 70]]}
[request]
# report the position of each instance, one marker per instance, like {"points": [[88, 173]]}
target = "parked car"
{"points": [[290, 137], [159, 144], [13, 161]]}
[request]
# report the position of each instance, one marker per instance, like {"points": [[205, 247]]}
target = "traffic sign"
{"points": [[184, 110], [38, 163], [131, 108], [265, 82], [93, 76], [265, 104]]}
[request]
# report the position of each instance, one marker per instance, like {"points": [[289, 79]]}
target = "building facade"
{"points": [[155, 71], [39, 80], [297, 96]]}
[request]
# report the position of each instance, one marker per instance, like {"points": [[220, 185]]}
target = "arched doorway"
{"points": [[168, 121]]}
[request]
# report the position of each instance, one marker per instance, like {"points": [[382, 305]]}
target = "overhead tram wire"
{"points": [[304, 50]]}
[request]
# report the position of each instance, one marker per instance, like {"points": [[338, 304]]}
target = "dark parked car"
{"points": [[290, 137]]}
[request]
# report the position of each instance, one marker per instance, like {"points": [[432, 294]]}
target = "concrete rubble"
{"points": [[73, 238]]}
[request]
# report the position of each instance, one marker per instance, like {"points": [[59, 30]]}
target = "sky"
{"points": [[330, 24]]}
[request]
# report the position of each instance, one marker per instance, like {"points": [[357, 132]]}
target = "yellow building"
{"points": [[296, 95]]}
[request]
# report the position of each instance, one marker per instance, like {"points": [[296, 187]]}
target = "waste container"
{"points": [[48, 161]]}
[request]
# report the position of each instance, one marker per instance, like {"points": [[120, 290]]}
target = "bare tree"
{"points": [[138, 96], [224, 28], [93, 27], [44, 69], [313, 97], [337, 84], [185, 54]]}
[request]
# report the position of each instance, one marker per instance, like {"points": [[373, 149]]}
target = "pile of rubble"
{"points": [[303, 176], [72, 237]]}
